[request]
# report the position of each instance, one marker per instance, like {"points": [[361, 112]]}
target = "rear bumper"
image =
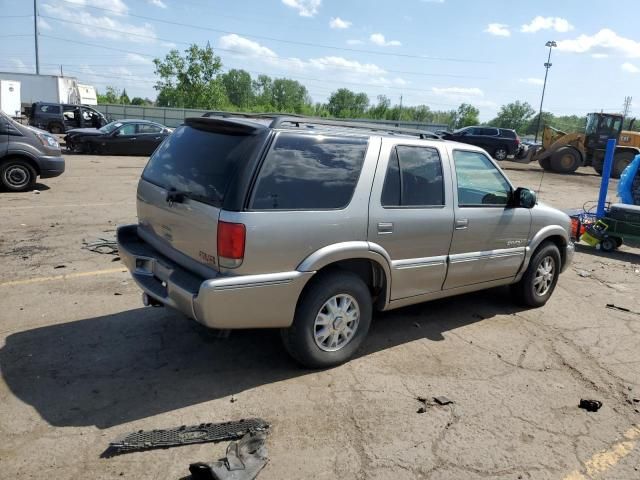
{"points": [[224, 302], [51, 166]]}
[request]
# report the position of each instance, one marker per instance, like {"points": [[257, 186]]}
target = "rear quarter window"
{"points": [[309, 172], [508, 133], [50, 108]]}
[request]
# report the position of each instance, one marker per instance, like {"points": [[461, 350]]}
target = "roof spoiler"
{"points": [[226, 126]]}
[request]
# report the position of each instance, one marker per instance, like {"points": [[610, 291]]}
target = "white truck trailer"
{"points": [[45, 88], [10, 97]]}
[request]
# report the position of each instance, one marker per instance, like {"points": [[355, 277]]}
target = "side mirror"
{"points": [[525, 198]]}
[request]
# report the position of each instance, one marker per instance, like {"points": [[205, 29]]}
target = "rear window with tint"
{"points": [[199, 163], [309, 172], [508, 133]]}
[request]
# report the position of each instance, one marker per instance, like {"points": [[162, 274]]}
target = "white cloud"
{"points": [[244, 46], [43, 24], [599, 56], [498, 29], [630, 68], [378, 39], [135, 58], [532, 81], [355, 42], [88, 24], [605, 39], [306, 8], [560, 25], [324, 63], [157, 3], [339, 24], [458, 92], [118, 6]]}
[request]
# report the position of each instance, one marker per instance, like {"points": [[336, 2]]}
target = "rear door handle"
{"points": [[385, 228], [462, 224]]}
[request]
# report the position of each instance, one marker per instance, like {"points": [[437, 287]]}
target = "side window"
{"points": [[128, 129], [480, 183], [309, 172], [49, 108], [414, 178], [148, 128]]}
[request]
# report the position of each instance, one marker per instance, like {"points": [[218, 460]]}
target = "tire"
{"points": [[17, 175], [565, 160], [598, 166], [500, 153], [56, 128], [608, 244], [620, 162], [545, 163], [304, 339], [528, 290]]}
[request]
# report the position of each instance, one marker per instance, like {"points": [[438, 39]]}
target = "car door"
{"points": [[411, 215], [4, 135], [490, 235], [121, 141], [149, 137]]}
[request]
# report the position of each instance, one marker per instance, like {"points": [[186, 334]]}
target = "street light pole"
{"points": [[35, 34], [547, 65]]}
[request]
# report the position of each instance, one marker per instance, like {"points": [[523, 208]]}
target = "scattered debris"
{"points": [[59, 266], [37, 192], [583, 273], [117, 294], [621, 309], [233, 399], [425, 404], [184, 435], [442, 400], [590, 405], [103, 246], [245, 459]]}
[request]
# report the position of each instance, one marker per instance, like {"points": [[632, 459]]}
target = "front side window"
{"points": [[480, 183], [50, 108], [309, 172], [149, 128], [414, 178]]}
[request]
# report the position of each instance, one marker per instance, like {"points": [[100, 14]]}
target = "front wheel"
{"points": [[17, 175], [331, 321], [540, 279], [500, 153], [565, 160]]}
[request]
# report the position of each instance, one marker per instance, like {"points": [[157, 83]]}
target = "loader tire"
{"points": [[565, 160], [545, 163], [620, 162]]}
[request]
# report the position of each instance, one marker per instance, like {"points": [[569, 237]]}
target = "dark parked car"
{"points": [[122, 137], [25, 154], [500, 143], [59, 117]]}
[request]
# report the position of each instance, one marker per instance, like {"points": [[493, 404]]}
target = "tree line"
{"points": [[196, 80]]}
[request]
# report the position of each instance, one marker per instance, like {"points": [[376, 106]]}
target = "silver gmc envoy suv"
{"points": [[310, 225]]}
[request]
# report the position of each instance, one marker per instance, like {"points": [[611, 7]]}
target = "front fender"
{"points": [[543, 234]]}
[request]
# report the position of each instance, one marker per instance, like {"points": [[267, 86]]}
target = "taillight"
{"points": [[517, 140], [231, 239]]}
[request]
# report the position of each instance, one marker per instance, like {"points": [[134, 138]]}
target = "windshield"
{"points": [[110, 127]]}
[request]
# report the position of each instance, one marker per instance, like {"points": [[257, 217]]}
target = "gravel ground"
{"points": [[82, 362]]}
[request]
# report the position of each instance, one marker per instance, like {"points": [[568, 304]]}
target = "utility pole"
{"points": [[61, 74], [627, 106], [35, 33], [551, 44], [400, 114]]}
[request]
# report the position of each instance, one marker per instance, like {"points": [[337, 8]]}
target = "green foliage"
{"points": [[467, 115], [343, 103], [124, 98], [239, 88], [145, 102], [112, 95], [190, 81], [514, 115]]}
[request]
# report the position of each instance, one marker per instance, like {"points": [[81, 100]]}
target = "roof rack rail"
{"points": [[297, 121]]}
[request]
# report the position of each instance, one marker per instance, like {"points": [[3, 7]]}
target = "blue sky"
{"points": [[436, 52]]}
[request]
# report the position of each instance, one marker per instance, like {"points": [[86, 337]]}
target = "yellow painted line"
{"points": [[603, 461], [68, 276]]}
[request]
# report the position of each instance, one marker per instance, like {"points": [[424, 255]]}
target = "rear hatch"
{"points": [[185, 184]]}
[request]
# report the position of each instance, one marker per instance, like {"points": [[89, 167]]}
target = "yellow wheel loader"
{"points": [[562, 152]]}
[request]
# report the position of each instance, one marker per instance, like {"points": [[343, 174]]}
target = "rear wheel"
{"points": [[620, 162], [56, 128], [17, 175], [609, 244], [598, 165], [331, 321], [540, 279], [565, 160]]}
